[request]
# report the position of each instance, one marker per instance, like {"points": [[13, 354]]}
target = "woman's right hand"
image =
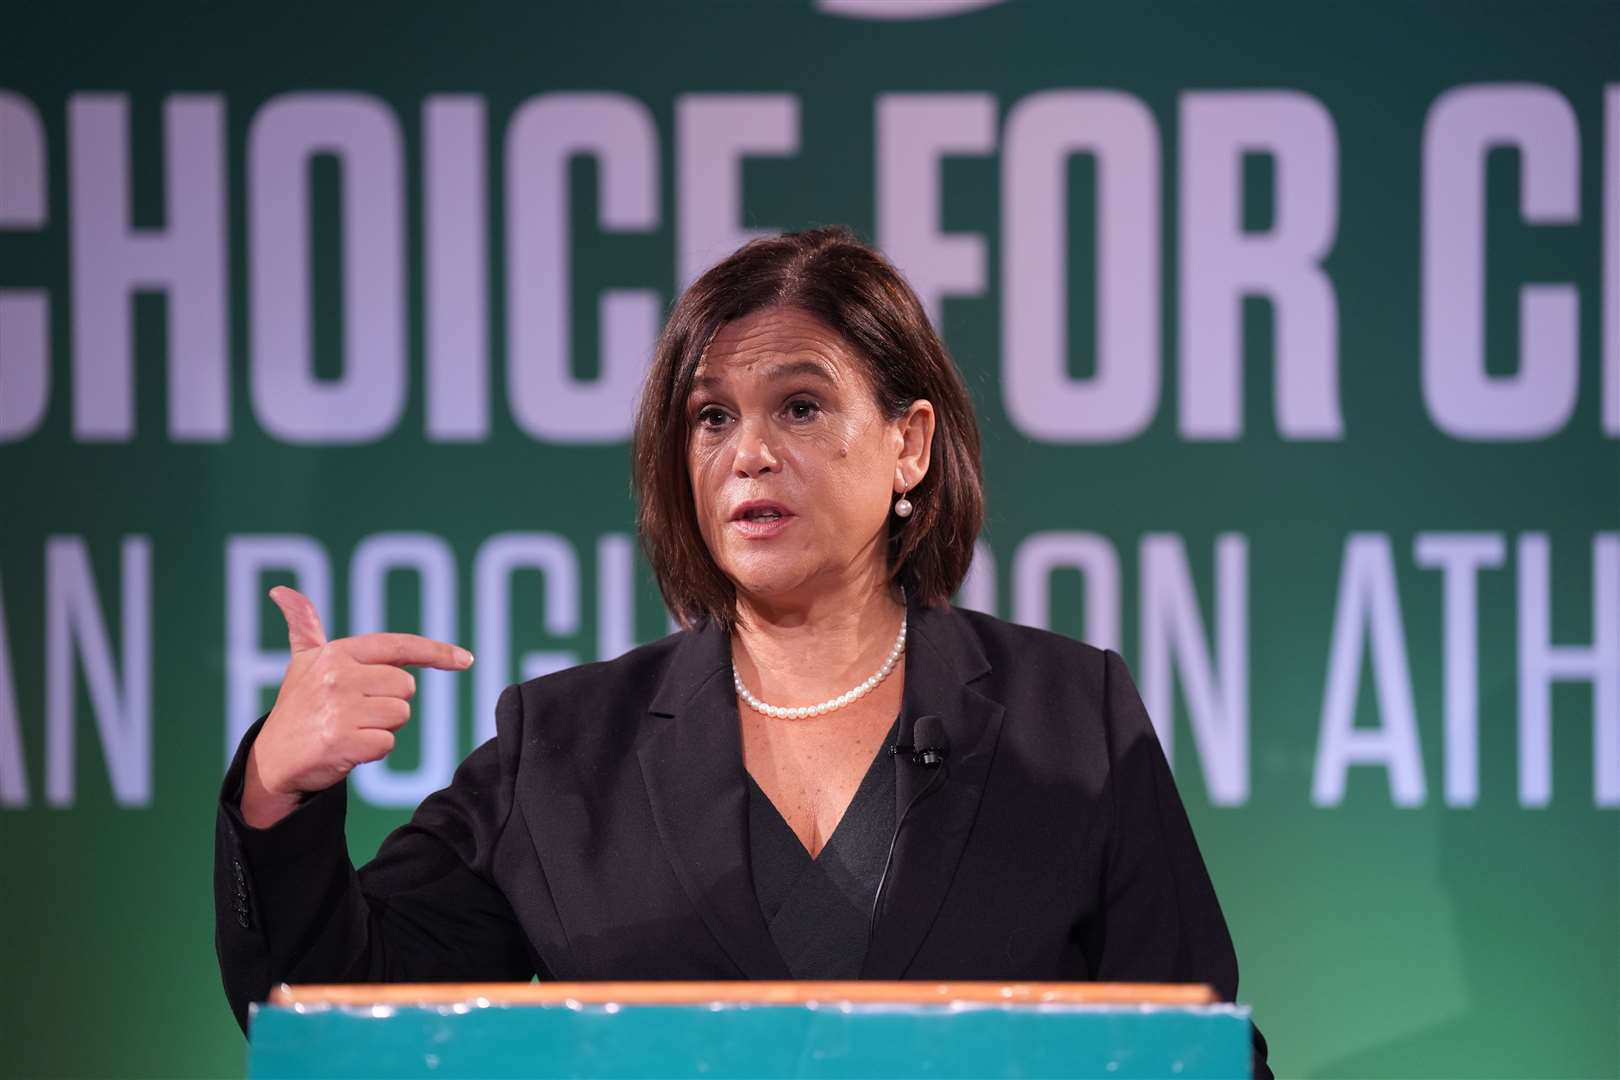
{"points": [[339, 706]]}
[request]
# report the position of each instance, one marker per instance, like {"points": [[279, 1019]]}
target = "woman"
{"points": [[722, 803]]}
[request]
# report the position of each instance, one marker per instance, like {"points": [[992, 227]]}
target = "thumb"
{"points": [[303, 621]]}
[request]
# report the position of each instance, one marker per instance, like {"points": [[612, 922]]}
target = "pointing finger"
{"points": [[403, 649]]}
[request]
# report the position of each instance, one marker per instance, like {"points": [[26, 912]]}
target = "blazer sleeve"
{"points": [[1161, 921], [290, 907]]}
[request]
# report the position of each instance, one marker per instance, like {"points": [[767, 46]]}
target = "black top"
{"points": [[604, 834], [818, 910]]}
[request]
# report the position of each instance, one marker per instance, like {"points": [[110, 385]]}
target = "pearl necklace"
{"points": [[846, 698]]}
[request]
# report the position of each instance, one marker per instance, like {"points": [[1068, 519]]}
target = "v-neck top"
{"points": [[819, 909]]}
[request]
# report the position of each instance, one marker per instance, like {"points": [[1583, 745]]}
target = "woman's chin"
{"points": [[772, 587], [767, 579]]}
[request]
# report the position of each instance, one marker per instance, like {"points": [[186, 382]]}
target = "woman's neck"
{"points": [[806, 652]]}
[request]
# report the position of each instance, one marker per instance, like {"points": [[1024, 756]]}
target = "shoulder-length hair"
{"points": [[831, 274]]}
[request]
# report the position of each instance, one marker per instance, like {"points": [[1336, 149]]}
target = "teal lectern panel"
{"points": [[841, 1041]]}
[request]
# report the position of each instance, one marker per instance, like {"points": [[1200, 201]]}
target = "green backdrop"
{"points": [[1294, 331]]}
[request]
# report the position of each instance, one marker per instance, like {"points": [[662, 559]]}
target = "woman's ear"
{"points": [[916, 444]]}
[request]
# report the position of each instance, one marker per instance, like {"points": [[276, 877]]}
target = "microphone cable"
{"points": [[935, 758]]}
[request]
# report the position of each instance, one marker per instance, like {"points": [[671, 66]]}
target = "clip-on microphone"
{"points": [[929, 749]]}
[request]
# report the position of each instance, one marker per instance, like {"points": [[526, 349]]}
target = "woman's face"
{"points": [[793, 466]]}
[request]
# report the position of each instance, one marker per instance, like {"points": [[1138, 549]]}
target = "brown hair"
{"points": [[829, 273]]}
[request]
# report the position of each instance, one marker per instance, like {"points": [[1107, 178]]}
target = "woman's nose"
{"points": [[753, 452]]}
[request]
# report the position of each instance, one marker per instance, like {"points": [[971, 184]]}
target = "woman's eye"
{"points": [[711, 418], [801, 409]]}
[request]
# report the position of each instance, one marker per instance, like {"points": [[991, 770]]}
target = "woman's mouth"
{"points": [[761, 520]]}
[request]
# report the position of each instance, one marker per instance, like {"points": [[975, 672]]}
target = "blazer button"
{"points": [[239, 874]]}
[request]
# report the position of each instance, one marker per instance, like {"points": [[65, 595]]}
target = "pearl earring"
{"points": [[902, 508]]}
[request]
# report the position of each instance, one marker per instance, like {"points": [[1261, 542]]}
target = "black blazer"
{"points": [[602, 834]]}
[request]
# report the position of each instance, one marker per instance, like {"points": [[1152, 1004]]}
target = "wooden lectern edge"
{"points": [[746, 993]]}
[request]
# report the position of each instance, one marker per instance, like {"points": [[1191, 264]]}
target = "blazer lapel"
{"points": [[692, 764], [942, 659]]}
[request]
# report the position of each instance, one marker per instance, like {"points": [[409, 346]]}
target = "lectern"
{"points": [[750, 1031]]}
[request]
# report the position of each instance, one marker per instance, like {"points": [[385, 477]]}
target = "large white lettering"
{"points": [[1094, 558], [13, 776], [25, 365], [76, 630], [1460, 557], [1222, 263], [455, 267], [185, 260], [1368, 605], [1463, 126], [1118, 401], [1541, 663], [914, 134], [714, 133], [365, 402], [1611, 260], [546, 400], [1173, 640]]}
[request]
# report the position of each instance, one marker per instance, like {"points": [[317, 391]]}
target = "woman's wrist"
{"points": [[261, 807]]}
